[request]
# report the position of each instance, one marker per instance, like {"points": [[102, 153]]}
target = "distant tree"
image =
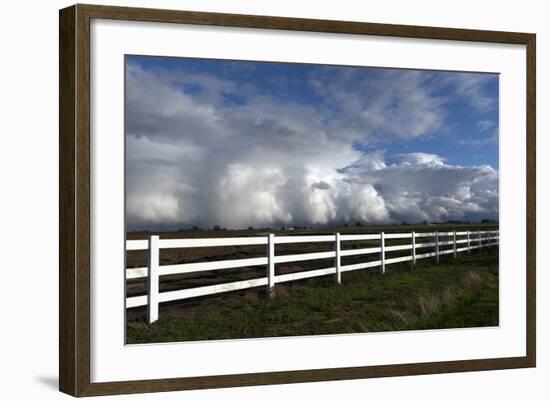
{"points": [[195, 228], [358, 224], [250, 228], [217, 228]]}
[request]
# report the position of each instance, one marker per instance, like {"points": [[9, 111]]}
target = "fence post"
{"points": [[153, 280], [382, 254], [454, 244], [337, 261], [468, 234], [437, 247], [270, 265], [413, 241], [480, 243]]}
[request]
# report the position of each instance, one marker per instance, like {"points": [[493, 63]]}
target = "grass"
{"points": [[455, 294]]}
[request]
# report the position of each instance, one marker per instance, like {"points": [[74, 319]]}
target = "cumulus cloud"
{"points": [[417, 159], [203, 150], [419, 187]]}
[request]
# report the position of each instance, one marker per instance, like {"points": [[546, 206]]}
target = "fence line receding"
{"points": [[450, 242]]}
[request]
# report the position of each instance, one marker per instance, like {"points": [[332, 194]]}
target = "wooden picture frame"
{"points": [[74, 203]]}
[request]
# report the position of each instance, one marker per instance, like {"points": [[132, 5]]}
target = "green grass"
{"points": [[456, 293]]}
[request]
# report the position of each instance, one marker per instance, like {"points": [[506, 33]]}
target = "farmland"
{"points": [[456, 293]]}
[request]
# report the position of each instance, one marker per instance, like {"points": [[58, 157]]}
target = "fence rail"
{"points": [[153, 272]]}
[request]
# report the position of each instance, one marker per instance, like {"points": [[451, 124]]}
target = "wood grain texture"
{"points": [[531, 229], [74, 198], [67, 254], [74, 205], [301, 24], [82, 195], [299, 376]]}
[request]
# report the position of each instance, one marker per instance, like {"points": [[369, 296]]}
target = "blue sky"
{"points": [[468, 136], [273, 130]]}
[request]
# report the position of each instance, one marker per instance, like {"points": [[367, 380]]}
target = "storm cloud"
{"points": [[203, 149]]}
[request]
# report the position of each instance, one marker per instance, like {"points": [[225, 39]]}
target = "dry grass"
{"points": [[457, 293], [472, 280]]}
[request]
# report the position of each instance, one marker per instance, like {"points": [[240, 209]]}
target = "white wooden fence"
{"points": [[442, 243]]}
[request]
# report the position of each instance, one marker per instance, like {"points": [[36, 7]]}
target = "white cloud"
{"points": [[480, 141], [193, 159], [471, 88], [250, 195], [422, 187], [417, 158], [385, 104], [484, 125]]}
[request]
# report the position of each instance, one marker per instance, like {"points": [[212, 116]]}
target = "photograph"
{"points": [[271, 199], [249, 198]]}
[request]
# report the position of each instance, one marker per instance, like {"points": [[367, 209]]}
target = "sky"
{"points": [[239, 144]]}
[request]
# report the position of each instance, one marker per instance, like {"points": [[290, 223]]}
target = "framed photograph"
{"points": [[250, 200]]}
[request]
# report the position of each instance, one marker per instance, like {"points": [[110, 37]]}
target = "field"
{"points": [[456, 293]]}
